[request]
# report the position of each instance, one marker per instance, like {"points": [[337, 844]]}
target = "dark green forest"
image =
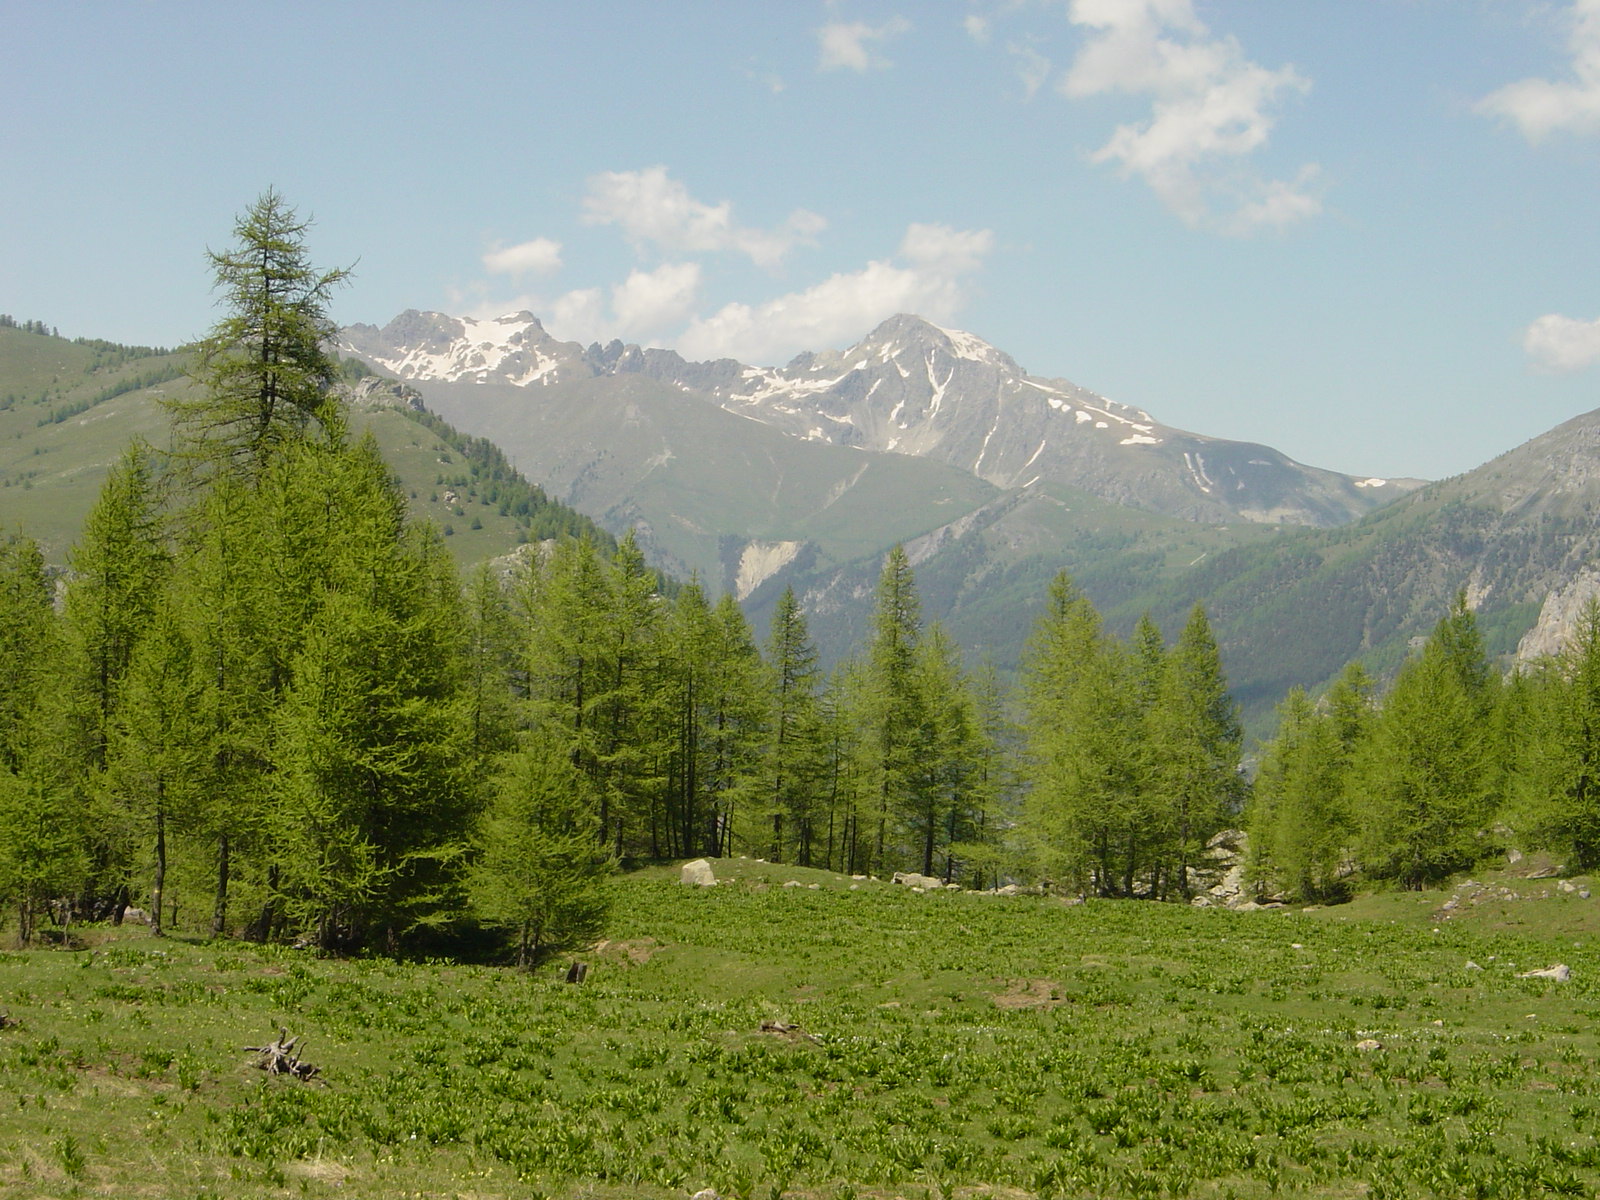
{"points": [[264, 704]]}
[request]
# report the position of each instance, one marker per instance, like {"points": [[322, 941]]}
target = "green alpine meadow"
{"points": [[374, 824]]}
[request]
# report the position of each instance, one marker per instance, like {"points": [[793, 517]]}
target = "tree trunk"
{"points": [[158, 884], [219, 914]]}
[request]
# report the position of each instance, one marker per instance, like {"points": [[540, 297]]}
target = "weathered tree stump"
{"points": [[282, 1057], [577, 972]]}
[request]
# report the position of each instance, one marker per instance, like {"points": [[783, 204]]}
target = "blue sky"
{"points": [[1366, 232]]}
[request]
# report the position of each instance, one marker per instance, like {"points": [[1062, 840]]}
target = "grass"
{"points": [[915, 1045]]}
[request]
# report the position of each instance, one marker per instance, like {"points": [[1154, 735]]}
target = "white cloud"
{"points": [[1562, 343], [845, 305], [642, 308], [844, 45], [650, 206], [1210, 107], [1033, 68], [1540, 107], [649, 301], [977, 28], [541, 256]]}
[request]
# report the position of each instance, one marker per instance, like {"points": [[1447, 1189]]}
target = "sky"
{"points": [[1364, 232]]}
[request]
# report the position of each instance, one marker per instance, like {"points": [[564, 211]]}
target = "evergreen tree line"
{"points": [[1455, 764]]}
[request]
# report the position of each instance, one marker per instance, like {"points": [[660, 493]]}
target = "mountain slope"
{"points": [[914, 389], [705, 490], [68, 409]]}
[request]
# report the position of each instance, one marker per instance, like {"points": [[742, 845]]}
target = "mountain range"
{"points": [[758, 478], [909, 388]]}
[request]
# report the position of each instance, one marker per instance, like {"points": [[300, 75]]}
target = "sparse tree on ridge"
{"points": [[262, 374]]}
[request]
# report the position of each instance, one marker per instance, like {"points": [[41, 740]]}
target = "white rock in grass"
{"points": [[1560, 973], [698, 873], [1369, 1044]]}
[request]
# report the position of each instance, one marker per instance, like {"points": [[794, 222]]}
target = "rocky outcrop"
{"points": [[1558, 619]]}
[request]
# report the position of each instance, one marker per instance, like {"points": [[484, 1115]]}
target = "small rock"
{"points": [[707, 1194], [793, 883], [698, 873], [1560, 972], [814, 887], [1366, 1044], [1471, 966], [1583, 893]]}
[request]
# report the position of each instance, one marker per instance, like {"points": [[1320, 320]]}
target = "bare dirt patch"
{"points": [[637, 951], [1029, 993]]}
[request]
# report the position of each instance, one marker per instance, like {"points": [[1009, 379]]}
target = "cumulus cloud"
{"points": [[977, 28], [1561, 343], [848, 45], [1540, 107], [541, 256], [929, 280], [642, 308], [648, 301], [651, 206], [1211, 107]]}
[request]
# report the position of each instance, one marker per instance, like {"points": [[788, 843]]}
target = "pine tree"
{"points": [[1559, 770], [372, 743], [1423, 779], [794, 754], [158, 753], [541, 872], [1084, 816], [953, 754], [42, 828], [118, 568], [262, 374], [892, 704], [1196, 741]]}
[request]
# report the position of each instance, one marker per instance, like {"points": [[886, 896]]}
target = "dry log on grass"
{"points": [[282, 1057], [785, 1029]]}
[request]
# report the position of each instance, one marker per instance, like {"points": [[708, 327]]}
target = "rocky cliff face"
{"points": [[1558, 618]]}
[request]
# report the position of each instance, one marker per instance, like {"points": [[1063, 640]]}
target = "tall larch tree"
{"points": [[1196, 742], [262, 374], [892, 703], [793, 759]]}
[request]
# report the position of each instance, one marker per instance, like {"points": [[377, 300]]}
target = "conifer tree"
{"points": [[541, 872], [793, 756], [372, 746], [159, 749], [1196, 742], [1084, 812], [262, 376], [1423, 780], [892, 702], [117, 573], [42, 829], [1559, 776], [953, 752]]}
